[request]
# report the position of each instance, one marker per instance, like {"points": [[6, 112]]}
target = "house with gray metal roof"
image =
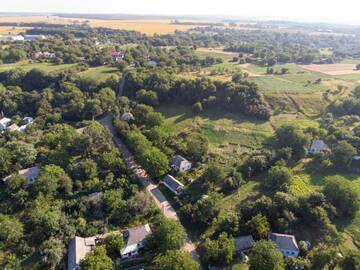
{"points": [[180, 164], [174, 185], [286, 244], [31, 175], [134, 239], [243, 243], [318, 146]]}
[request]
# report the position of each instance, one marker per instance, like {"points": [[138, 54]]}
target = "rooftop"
{"points": [[79, 247], [243, 242], [172, 183], [134, 236], [319, 145], [177, 160], [284, 241], [30, 174]]}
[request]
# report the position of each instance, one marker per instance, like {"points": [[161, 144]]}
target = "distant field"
{"points": [[100, 73], [149, 27], [28, 66], [215, 52], [10, 30], [333, 69]]}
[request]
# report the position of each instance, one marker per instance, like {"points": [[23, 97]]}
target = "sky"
{"points": [[344, 11]]}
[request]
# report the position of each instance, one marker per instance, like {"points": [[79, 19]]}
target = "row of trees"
{"points": [[55, 96], [240, 96]]}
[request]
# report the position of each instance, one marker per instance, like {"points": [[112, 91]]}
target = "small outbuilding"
{"points": [[127, 117], [174, 185], [243, 243], [14, 127], [4, 123]]}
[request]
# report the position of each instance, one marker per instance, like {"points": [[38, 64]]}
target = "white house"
{"points": [[4, 123], [79, 247], [34, 37], [174, 185], [318, 146], [286, 244], [134, 241], [179, 163], [31, 175], [127, 116]]}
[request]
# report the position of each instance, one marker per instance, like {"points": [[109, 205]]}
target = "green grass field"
{"points": [[215, 52], [49, 67], [221, 128], [100, 73]]}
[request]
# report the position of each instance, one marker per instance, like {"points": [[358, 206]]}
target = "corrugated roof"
{"points": [[135, 236], [177, 160], [172, 183], [284, 241], [319, 145], [243, 242]]}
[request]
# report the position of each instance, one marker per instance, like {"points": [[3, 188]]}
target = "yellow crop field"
{"points": [[10, 30], [149, 27]]}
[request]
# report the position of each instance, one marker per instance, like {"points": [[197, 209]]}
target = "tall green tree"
{"points": [[266, 256], [11, 230], [259, 226], [169, 235], [342, 154], [279, 178], [97, 260], [340, 194], [176, 260]]}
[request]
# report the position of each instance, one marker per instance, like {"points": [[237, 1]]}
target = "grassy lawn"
{"points": [[220, 127], [292, 83], [249, 189], [292, 68], [100, 73], [240, 266], [49, 67], [215, 52]]}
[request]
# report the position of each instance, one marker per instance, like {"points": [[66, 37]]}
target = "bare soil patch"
{"points": [[333, 69]]}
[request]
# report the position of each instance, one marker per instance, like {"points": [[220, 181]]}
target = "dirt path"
{"points": [[145, 180], [159, 198]]}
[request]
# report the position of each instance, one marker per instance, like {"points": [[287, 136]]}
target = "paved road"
{"points": [[143, 177]]}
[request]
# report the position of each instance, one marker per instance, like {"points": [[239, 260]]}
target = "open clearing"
{"points": [[333, 69], [149, 27], [28, 66], [100, 73], [12, 30]]}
